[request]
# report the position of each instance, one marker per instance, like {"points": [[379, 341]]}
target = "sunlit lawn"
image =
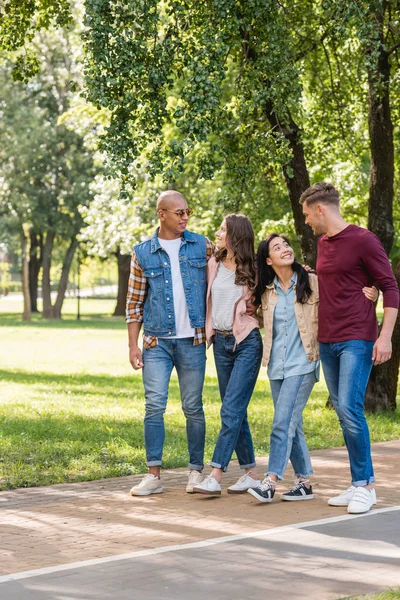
{"points": [[390, 594], [71, 408]]}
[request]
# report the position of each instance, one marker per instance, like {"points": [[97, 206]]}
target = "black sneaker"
{"points": [[264, 492], [299, 492]]}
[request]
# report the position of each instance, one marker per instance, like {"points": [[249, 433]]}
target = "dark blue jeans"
{"points": [[347, 366], [237, 370]]}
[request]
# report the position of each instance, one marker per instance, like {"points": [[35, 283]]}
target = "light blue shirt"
{"points": [[288, 357]]}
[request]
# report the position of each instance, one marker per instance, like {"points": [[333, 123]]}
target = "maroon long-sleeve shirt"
{"points": [[347, 262]]}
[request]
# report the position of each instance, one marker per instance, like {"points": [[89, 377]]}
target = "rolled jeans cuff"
{"points": [[249, 466], [224, 469], [195, 467], [154, 463], [215, 465], [363, 482]]}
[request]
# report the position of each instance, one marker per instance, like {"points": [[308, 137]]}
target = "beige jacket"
{"points": [[244, 317], [306, 316]]}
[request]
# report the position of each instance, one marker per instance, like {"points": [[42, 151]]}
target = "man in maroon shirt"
{"points": [[349, 259]]}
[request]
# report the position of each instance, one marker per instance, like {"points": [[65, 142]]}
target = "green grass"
{"points": [[390, 594], [71, 407]]}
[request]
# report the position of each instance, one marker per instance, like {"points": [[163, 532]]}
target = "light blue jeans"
{"points": [[347, 366], [287, 439], [190, 364], [237, 369]]}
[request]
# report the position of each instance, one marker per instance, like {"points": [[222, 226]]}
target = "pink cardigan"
{"points": [[243, 321]]}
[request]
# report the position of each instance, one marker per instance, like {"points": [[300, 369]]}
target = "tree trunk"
{"points": [[297, 181], [35, 262], [26, 315], [46, 283], [382, 386], [62, 286], [124, 262], [381, 177]]}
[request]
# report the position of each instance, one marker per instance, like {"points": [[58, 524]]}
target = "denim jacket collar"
{"points": [[187, 236]]}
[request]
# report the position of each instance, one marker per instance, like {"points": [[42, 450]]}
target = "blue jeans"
{"points": [[237, 370], [190, 364], [287, 439], [347, 366]]}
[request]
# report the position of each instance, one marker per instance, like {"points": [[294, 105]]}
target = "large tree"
{"points": [[45, 166], [228, 76], [360, 58], [379, 31]]}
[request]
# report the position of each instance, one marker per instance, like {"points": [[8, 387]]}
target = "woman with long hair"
{"points": [[232, 325], [289, 299]]}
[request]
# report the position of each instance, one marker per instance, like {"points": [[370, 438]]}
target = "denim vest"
{"points": [[158, 313]]}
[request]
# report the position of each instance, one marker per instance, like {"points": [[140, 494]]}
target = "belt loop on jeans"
{"points": [[224, 333]]}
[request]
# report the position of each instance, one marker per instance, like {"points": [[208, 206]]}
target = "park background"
{"points": [[238, 105]]}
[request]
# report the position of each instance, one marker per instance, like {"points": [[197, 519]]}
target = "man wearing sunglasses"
{"points": [[167, 292]]}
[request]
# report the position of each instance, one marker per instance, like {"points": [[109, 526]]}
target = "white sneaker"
{"points": [[344, 498], [195, 477], [362, 500], [209, 486], [150, 484], [243, 484]]}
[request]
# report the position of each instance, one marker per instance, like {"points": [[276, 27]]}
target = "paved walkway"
{"points": [[93, 540]]}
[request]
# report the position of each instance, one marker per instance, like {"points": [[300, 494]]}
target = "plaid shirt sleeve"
{"points": [[135, 299], [210, 249], [137, 292]]}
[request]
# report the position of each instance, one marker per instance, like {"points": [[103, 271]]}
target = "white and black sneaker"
{"points": [[264, 492], [299, 492]]}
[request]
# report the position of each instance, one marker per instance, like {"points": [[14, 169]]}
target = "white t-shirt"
{"points": [[182, 323]]}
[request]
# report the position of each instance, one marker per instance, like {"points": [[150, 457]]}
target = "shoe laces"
{"points": [[267, 483], [208, 479], [299, 484], [194, 475], [301, 480]]}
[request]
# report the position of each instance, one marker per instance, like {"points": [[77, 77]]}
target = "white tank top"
{"points": [[224, 295]]}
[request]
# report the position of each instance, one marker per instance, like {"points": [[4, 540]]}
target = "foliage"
{"points": [[195, 102], [19, 23], [191, 77]]}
